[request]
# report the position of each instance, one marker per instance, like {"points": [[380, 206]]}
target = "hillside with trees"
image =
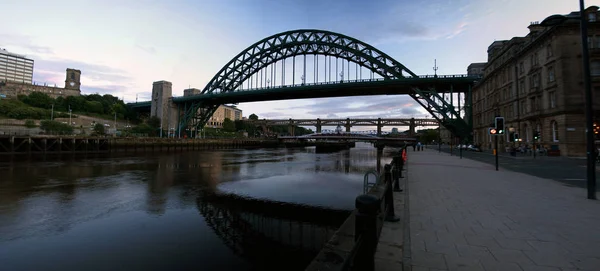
{"points": [[38, 105]]}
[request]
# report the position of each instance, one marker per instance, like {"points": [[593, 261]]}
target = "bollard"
{"points": [[389, 195], [399, 165], [365, 227]]}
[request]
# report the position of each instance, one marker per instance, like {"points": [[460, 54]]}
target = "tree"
{"points": [[39, 99], [253, 117], [30, 124], [228, 125], [94, 107], [55, 127], [99, 129]]}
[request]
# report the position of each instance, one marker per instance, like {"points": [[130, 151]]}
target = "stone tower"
{"points": [[162, 105], [73, 79]]}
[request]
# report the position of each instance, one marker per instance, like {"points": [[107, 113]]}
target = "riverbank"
{"points": [[40, 144]]}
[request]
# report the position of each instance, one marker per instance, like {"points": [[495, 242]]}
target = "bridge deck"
{"points": [[458, 83]]}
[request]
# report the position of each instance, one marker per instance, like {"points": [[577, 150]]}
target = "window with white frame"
{"points": [[595, 68], [554, 131], [550, 74], [552, 99]]}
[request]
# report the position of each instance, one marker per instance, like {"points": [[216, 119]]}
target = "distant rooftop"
{"points": [[5, 52]]}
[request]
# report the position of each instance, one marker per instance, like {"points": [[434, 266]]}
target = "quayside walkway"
{"points": [[464, 215]]}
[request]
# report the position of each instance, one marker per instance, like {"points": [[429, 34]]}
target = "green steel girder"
{"points": [[318, 42], [301, 42], [445, 113]]}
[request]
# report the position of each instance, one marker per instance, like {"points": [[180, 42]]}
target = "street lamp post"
{"points": [[589, 112]]}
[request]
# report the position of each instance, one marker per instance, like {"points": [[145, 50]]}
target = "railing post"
{"points": [[398, 166], [365, 228], [389, 195]]}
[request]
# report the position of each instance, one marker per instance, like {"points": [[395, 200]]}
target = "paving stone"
{"points": [[387, 265], [494, 265], [429, 260], [517, 244], [538, 268], [510, 255], [477, 240], [548, 259], [442, 248], [463, 263], [588, 263]]}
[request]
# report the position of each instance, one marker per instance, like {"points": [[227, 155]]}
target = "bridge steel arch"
{"points": [[294, 43]]}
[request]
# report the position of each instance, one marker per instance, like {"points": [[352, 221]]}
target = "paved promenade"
{"points": [[464, 215]]}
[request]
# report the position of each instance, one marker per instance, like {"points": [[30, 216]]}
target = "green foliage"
{"points": [[30, 124], [154, 122], [253, 117], [55, 127], [99, 129], [94, 107], [103, 106], [39, 99], [228, 125], [143, 128]]}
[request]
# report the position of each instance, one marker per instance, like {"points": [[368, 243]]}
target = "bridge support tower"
{"points": [[411, 128], [378, 126], [319, 126], [162, 106], [291, 129], [348, 125]]}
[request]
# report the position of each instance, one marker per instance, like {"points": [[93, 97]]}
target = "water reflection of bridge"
{"points": [[271, 235]]}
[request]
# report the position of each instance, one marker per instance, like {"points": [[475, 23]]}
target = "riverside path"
{"points": [[464, 215]]}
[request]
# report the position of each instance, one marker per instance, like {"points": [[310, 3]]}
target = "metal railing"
{"points": [[353, 246]]}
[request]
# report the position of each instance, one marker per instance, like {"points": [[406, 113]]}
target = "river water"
{"points": [[152, 212]]}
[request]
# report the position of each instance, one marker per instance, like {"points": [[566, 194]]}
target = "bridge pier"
{"points": [[319, 125], [291, 127], [411, 129], [378, 126], [162, 106], [348, 125]]}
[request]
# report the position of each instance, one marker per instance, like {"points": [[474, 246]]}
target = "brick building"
{"points": [[536, 83], [72, 87]]}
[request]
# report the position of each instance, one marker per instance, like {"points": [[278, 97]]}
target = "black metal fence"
{"points": [[353, 246]]}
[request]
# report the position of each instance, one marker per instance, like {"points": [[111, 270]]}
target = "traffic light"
{"points": [[516, 137], [536, 135], [499, 125]]}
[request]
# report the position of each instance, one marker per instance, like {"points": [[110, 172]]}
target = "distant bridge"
{"points": [[412, 123], [347, 136]]}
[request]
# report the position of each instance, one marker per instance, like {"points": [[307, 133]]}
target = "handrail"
{"points": [[368, 185]]}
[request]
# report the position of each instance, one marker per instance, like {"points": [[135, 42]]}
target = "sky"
{"points": [[122, 47]]}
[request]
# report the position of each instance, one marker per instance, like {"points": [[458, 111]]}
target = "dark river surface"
{"points": [[151, 211]]}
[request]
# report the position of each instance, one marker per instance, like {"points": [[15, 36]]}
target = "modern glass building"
{"points": [[16, 68]]}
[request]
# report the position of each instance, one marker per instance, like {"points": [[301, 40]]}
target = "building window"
{"points": [[595, 68], [549, 50], [552, 99], [554, 131], [550, 74], [592, 17], [521, 67]]}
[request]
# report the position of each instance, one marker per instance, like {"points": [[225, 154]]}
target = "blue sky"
{"points": [[121, 47]]}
